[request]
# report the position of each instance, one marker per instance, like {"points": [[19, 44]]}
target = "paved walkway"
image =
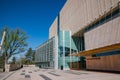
{"points": [[4, 75], [34, 73]]}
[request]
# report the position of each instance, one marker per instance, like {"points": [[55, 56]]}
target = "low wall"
{"points": [[28, 65], [15, 67]]}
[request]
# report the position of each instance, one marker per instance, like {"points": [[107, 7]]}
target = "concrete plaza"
{"points": [[34, 73]]}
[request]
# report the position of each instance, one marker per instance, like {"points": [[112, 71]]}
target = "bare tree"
{"points": [[14, 43]]}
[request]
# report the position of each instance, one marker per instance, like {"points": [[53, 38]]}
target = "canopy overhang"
{"points": [[98, 50]]}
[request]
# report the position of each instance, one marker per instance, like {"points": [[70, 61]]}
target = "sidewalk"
{"points": [[4, 75], [34, 73]]}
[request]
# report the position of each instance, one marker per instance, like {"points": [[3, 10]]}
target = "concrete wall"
{"points": [[15, 67], [53, 28], [104, 35], [77, 14]]}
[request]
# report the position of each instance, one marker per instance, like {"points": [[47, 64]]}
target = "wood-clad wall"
{"points": [[110, 63]]}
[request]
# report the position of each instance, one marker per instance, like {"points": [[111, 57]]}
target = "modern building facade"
{"points": [[55, 53], [87, 33]]}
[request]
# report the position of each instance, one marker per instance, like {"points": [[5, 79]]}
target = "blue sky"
{"points": [[32, 16]]}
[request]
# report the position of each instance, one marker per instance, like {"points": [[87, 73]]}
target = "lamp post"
{"points": [[1, 44], [3, 37]]}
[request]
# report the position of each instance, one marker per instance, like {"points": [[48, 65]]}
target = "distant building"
{"points": [[87, 36]]}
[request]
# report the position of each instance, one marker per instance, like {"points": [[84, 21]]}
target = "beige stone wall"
{"points": [[76, 14], [53, 29], [106, 34], [110, 63]]}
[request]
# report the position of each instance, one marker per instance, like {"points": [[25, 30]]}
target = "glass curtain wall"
{"points": [[44, 56], [79, 43], [66, 46]]}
